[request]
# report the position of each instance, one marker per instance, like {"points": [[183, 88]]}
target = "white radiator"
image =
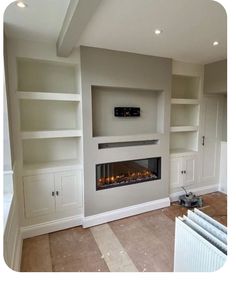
{"points": [[200, 243]]}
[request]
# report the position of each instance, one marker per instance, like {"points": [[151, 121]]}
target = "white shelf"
{"points": [[54, 166], [184, 101], [48, 96], [183, 129], [50, 134], [185, 87], [182, 152]]}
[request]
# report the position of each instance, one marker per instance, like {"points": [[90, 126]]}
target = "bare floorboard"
{"points": [[143, 243]]}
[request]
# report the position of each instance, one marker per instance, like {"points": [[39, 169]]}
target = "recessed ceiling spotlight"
{"points": [[21, 4], [158, 31], [215, 43]]}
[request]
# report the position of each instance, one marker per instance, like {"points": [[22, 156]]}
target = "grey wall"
{"points": [[107, 68], [215, 77]]}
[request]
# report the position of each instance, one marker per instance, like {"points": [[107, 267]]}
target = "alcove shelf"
{"points": [[48, 96], [50, 115], [184, 101], [53, 166], [185, 108], [183, 128], [182, 152], [50, 134]]}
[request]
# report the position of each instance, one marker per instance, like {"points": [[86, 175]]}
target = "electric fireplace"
{"points": [[109, 175]]}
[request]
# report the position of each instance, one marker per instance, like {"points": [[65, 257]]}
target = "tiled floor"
{"points": [[139, 243]]}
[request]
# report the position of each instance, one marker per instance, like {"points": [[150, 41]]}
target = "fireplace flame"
{"points": [[126, 178]]}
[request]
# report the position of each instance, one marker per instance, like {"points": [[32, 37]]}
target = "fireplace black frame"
{"points": [[108, 186]]}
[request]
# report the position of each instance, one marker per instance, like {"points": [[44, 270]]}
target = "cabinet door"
{"points": [[68, 190], [176, 176], [38, 195], [189, 167], [212, 132]]}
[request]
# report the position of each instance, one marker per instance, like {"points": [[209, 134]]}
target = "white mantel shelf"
{"points": [[50, 134], [48, 96]]}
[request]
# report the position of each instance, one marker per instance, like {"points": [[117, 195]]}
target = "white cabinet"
{"points": [[38, 195], [67, 189], [183, 171], [49, 193], [211, 135]]}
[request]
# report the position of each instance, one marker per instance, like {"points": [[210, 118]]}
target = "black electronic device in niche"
{"points": [[127, 111]]}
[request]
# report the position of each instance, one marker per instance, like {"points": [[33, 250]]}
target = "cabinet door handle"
{"points": [[203, 140], [57, 193], [53, 193], [184, 172]]}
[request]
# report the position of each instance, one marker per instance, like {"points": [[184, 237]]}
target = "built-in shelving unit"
{"points": [[50, 115], [184, 114]]}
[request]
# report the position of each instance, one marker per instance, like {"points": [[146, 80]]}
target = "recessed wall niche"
{"points": [[105, 99]]}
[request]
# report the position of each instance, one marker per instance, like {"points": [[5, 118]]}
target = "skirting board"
{"points": [[50, 226], [12, 239], [18, 252], [198, 191], [125, 212]]}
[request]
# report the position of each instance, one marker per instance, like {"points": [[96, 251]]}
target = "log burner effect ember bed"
{"points": [[115, 174]]}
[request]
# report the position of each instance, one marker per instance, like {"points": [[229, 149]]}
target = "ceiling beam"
{"points": [[77, 17]]}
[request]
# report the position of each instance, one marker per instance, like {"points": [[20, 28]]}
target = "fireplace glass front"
{"points": [[115, 174]]}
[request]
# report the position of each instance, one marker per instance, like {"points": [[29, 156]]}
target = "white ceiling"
{"points": [[40, 21], [189, 26]]}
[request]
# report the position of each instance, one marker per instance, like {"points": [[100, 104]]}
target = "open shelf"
{"points": [[184, 115], [47, 115], [50, 115], [50, 134], [184, 101], [49, 153], [183, 128], [46, 76], [184, 141], [185, 87], [182, 152], [53, 166], [185, 110], [48, 96]]}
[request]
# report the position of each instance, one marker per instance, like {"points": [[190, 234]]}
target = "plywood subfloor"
{"points": [[143, 243]]}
